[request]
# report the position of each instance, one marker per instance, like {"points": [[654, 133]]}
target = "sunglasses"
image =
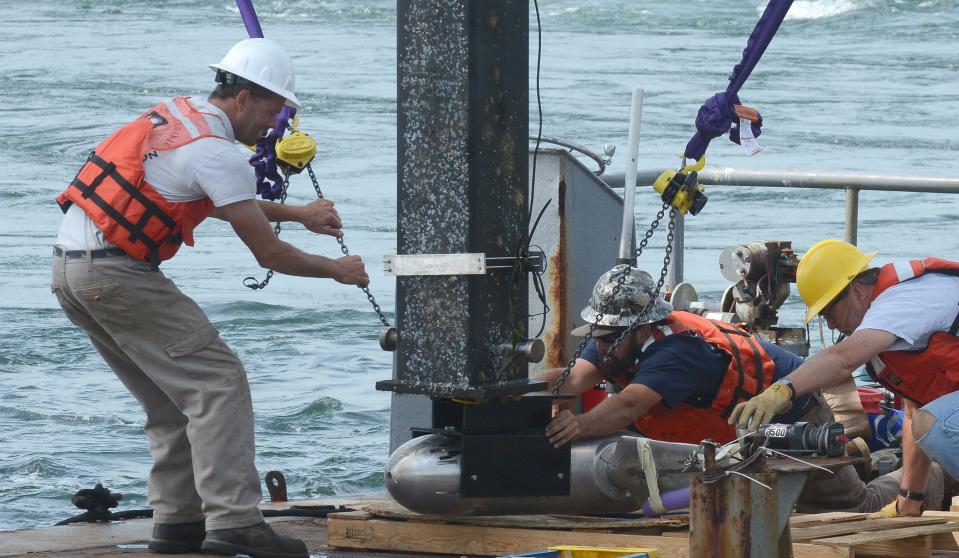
{"points": [[609, 337], [827, 312]]}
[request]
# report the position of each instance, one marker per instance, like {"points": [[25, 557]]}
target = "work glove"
{"points": [[889, 511], [775, 400]]}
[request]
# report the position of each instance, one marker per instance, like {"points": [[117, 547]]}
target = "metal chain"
{"points": [[251, 282], [346, 251], [629, 267], [659, 286]]}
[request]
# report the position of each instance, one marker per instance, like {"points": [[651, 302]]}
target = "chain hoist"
{"points": [[294, 153], [619, 283]]}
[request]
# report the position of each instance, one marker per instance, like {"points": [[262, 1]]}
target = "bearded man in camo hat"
{"points": [[679, 375]]}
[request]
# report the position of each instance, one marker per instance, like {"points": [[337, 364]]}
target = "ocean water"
{"points": [[847, 85]]}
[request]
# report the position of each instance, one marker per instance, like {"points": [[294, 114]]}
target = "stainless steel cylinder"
{"points": [[744, 261], [423, 475]]}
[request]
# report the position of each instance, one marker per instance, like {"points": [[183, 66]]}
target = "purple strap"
{"points": [[249, 18], [716, 116], [269, 183], [675, 499]]}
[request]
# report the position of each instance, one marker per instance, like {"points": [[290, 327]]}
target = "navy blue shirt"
{"points": [[684, 368]]}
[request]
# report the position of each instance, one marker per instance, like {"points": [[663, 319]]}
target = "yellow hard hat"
{"points": [[825, 270]]}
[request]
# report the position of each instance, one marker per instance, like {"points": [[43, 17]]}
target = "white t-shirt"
{"points": [[206, 168], [914, 310]]}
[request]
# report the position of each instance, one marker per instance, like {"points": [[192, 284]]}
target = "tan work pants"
{"points": [[199, 414]]}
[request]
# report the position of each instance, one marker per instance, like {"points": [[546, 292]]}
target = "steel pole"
{"points": [[629, 194], [720, 176], [675, 276], [852, 215]]}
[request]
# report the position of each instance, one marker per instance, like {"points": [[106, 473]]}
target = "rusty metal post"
{"points": [[738, 518], [852, 215], [462, 127]]}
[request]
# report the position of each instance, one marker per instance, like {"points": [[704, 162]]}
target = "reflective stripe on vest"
{"points": [[750, 371], [928, 373], [111, 190]]}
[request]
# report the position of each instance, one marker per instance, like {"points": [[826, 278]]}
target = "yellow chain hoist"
{"points": [[295, 151], [681, 188]]}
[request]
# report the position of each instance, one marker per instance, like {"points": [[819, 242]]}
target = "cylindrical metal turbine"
{"points": [[423, 475]]}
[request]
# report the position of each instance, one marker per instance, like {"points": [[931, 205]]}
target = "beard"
{"points": [[623, 362]]}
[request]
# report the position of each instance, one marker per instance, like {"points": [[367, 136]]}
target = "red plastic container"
{"points": [[871, 398], [592, 397]]}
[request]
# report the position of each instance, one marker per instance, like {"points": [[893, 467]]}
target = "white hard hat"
{"points": [[263, 62]]}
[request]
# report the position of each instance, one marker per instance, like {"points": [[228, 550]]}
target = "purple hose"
{"points": [[672, 500]]}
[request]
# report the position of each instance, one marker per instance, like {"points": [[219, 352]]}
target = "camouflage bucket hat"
{"points": [[632, 302]]}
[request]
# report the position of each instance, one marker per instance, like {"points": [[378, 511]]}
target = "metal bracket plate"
{"points": [[434, 264], [405, 265]]}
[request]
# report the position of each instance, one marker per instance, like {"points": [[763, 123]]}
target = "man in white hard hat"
{"points": [[131, 206]]}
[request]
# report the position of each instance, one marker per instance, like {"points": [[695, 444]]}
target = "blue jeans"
{"points": [[941, 443]]}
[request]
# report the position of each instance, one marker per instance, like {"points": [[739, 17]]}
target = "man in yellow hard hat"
{"points": [[901, 320]]}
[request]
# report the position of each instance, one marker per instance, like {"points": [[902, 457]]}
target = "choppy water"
{"points": [[858, 85]]}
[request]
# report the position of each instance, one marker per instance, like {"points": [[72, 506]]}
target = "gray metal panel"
{"points": [[579, 233], [408, 411]]}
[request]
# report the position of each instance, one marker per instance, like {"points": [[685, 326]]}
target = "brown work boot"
{"points": [[177, 538], [256, 541]]}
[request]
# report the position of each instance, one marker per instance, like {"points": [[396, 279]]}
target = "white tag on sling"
{"points": [[746, 139]]}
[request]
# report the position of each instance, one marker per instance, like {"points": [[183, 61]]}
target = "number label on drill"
{"points": [[776, 430]]}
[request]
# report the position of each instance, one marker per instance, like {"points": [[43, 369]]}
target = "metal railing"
{"points": [[852, 183]]}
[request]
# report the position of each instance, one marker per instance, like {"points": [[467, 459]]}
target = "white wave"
{"points": [[819, 9]]}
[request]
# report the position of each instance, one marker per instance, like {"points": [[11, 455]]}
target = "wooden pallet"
{"points": [[835, 535]]}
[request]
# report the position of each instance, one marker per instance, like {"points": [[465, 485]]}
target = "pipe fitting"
{"points": [[389, 339], [533, 350]]}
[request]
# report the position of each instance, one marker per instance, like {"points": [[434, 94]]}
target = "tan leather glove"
{"points": [[889, 511], [775, 400]]}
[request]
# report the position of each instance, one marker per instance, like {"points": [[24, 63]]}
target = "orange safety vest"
{"points": [[931, 372], [751, 370], [111, 190]]}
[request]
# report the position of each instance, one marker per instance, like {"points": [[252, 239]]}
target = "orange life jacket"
{"points": [[931, 372], [130, 212], [751, 370]]}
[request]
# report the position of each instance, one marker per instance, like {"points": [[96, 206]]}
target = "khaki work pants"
{"points": [[199, 414], [844, 490]]}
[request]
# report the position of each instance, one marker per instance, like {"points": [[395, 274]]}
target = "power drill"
{"points": [[828, 440]]}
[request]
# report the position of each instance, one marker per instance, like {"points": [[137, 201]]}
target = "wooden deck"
{"points": [[382, 529]]}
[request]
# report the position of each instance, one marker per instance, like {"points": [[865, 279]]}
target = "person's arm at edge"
{"points": [[833, 364], [612, 415], [318, 216], [582, 376], [251, 225], [915, 464]]}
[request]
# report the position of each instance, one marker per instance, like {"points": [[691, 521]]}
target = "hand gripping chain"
{"points": [[252, 283]]}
